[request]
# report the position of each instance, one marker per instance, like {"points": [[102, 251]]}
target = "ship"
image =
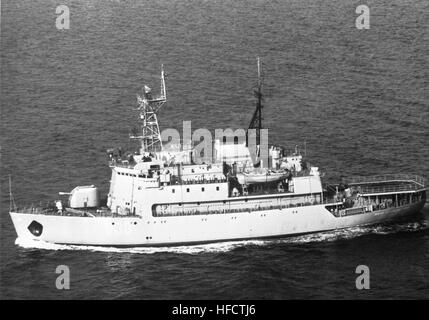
{"points": [[161, 196]]}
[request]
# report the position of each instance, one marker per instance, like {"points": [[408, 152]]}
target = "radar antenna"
{"points": [[148, 108]]}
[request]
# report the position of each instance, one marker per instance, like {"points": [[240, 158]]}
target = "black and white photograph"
{"points": [[214, 150]]}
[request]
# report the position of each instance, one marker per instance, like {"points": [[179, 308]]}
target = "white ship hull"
{"points": [[175, 230]]}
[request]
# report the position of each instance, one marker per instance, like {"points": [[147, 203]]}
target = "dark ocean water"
{"points": [[358, 97]]}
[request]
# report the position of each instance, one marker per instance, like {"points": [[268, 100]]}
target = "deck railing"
{"points": [[421, 181], [389, 189], [178, 181], [122, 164]]}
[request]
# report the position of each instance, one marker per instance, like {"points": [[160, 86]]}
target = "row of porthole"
{"points": [[148, 238], [135, 222], [188, 190], [135, 176], [127, 174]]}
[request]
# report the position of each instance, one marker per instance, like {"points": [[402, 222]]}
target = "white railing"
{"points": [[386, 178], [389, 189]]}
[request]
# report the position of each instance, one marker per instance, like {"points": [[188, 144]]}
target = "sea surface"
{"points": [[358, 100]]}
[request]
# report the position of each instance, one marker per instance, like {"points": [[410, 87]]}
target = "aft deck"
{"points": [[387, 184], [418, 181], [367, 194]]}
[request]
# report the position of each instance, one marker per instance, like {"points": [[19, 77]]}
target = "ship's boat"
{"points": [[262, 177]]}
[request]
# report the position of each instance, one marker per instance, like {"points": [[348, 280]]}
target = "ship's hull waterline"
{"points": [[168, 231]]}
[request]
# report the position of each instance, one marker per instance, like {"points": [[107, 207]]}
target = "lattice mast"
{"points": [[148, 108]]}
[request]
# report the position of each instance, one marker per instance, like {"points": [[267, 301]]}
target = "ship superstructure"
{"points": [[161, 196]]}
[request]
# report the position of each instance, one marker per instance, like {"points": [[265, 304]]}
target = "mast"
{"points": [[256, 122], [150, 138]]}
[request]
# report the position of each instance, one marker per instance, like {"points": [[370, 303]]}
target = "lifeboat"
{"points": [[261, 177]]}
